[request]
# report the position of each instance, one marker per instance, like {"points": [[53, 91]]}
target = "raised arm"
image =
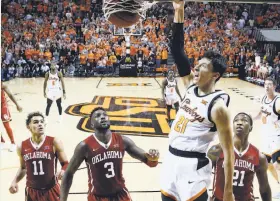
{"points": [[151, 158], [163, 85], [177, 49], [220, 116], [178, 91], [261, 173], [20, 173], [11, 96], [79, 155], [59, 150]]}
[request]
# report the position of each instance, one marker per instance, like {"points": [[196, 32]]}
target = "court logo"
{"points": [[128, 115], [128, 84]]}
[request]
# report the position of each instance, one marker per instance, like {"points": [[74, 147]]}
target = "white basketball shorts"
{"points": [[184, 178], [54, 94], [170, 99]]}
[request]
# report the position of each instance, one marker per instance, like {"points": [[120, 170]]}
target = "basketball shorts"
{"points": [[120, 196], [5, 113], [54, 94], [184, 178], [171, 99], [51, 194], [271, 148]]}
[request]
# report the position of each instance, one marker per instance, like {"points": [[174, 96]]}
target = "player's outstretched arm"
{"points": [[214, 153], [59, 150], [20, 173], [45, 84], [261, 173], [11, 96], [60, 75], [79, 155], [177, 91], [220, 116], [177, 49], [163, 85], [277, 105], [151, 158]]}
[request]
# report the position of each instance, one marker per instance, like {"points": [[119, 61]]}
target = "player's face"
{"points": [[269, 87], [53, 67], [100, 120], [203, 72], [37, 125], [242, 125], [170, 75]]}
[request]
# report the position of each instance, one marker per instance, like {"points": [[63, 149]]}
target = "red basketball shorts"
{"points": [[5, 113], [51, 194], [120, 196]]}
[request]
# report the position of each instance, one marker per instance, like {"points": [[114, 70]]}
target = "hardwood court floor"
{"points": [[134, 110]]}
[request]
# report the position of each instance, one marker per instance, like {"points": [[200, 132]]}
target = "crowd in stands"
{"points": [[269, 17], [75, 36]]}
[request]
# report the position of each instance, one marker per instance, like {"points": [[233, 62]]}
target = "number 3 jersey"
{"points": [[193, 129], [245, 166], [104, 164], [40, 163]]}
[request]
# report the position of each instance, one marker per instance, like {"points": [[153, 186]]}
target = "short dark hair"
{"points": [[250, 118], [33, 114], [95, 109], [272, 80], [219, 62]]}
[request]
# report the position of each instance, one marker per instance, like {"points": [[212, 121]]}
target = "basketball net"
{"points": [[133, 6]]}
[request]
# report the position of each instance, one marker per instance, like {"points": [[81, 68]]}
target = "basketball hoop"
{"points": [[133, 6]]}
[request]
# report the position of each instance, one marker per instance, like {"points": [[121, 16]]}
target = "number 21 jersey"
{"points": [[193, 129], [104, 164], [245, 166]]}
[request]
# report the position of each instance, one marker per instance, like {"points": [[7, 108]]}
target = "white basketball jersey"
{"points": [[53, 83], [170, 88], [270, 117], [192, 129]]}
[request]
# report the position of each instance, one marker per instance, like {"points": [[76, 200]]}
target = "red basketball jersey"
{"points": [[104, 165], [245, 167], [40, 163]]}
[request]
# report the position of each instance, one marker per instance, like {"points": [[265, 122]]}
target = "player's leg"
{"points": [[58, 103], [176, 105], [2, 139], [276, 165], [168, 108], [11, 136], [2, 144], [49, 104]]}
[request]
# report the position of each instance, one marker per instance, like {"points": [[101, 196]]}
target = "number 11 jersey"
{"points": [[40, 162], [104, 163]]}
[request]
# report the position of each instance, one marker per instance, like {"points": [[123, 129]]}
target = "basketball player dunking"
{"points": [[170, 93], [270, 131], [103, 153], [6, 116], [248, 162], [186, 172], [53, 81], [38, 157]]}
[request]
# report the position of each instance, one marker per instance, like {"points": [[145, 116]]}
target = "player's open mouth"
{"points": [[239, 128]]}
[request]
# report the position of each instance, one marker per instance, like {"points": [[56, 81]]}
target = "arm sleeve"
{"points": [[177, 49]]}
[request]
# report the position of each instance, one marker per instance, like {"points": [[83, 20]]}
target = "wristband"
{"points": [[64, 165]]}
